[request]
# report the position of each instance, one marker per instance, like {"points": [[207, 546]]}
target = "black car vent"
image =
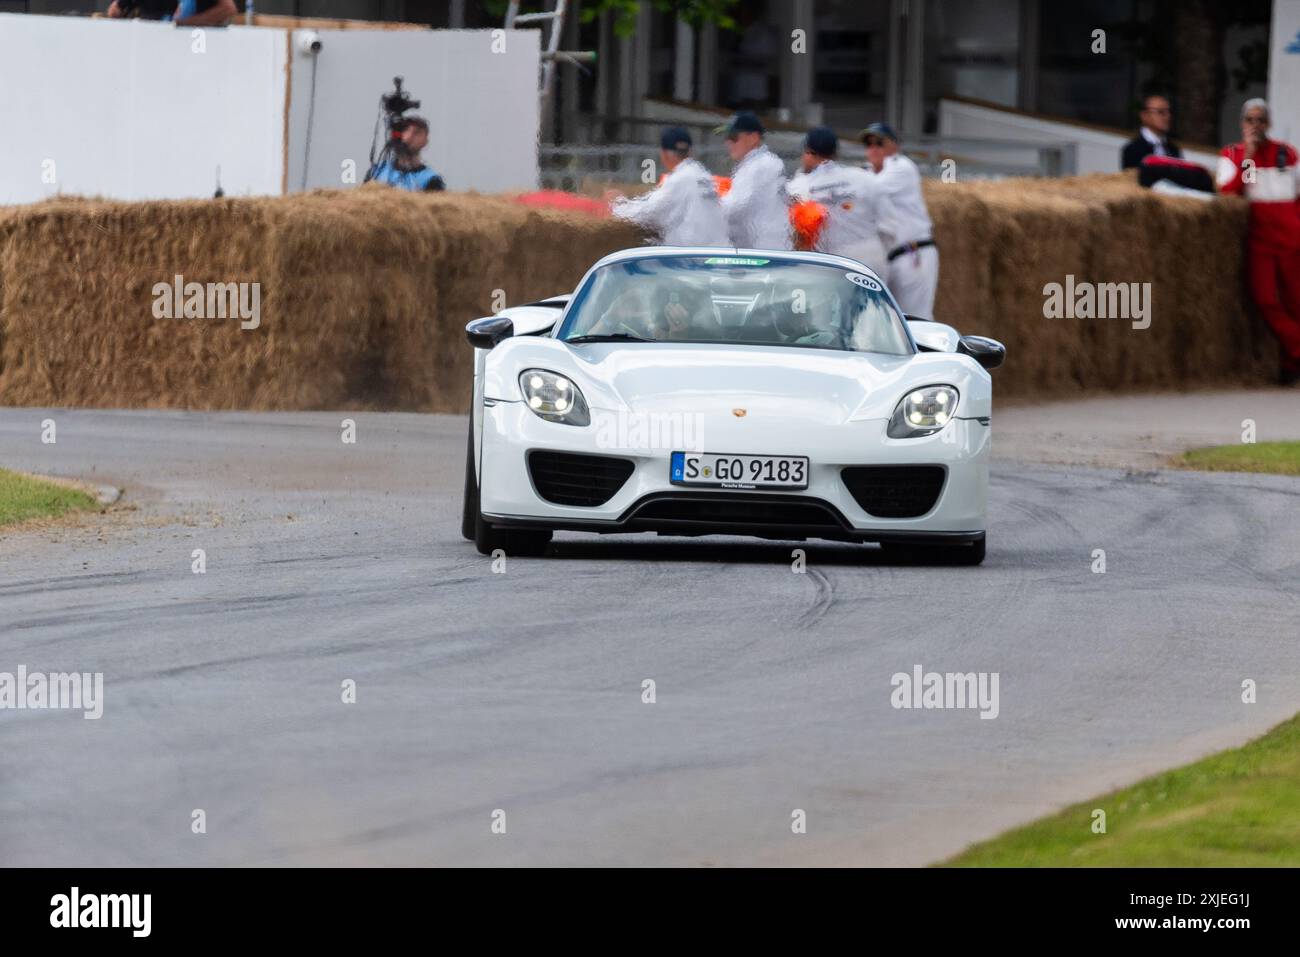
{"points": [[566, 478], [895, 491], [741, 513]]}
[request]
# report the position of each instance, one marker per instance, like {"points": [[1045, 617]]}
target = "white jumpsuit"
{"points": [[913, 274], [755, 206], [682, 211], [851, 197]]}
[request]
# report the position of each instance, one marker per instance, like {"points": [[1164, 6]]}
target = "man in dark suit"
{"points": [[1153, 137]]}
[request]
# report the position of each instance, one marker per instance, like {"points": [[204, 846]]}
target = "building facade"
{"points": [[846, 62]]}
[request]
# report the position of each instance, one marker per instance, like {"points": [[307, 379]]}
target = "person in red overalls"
{"points": [[1265, 172]]}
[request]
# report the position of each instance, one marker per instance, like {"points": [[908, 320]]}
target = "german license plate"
{"points": [[721, 470]]}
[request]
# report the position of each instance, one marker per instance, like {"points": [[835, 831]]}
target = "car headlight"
{"points": [[554, 397], [923, 412]]}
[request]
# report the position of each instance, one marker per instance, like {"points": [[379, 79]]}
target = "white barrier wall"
{"points": [[1284, 71], [142, 110], [138, 110], [478, 92], [1097, 150]]}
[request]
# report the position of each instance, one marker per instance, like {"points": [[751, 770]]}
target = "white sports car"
{"points": [[704, 391]]}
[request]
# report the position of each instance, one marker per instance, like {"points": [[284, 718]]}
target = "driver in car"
{"points": [[629, 314], [812, 325], [683, 315]]}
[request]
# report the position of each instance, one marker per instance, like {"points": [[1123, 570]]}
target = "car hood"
{"points": [[780, 383], [819, 385]]}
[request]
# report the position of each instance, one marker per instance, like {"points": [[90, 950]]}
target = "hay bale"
{"points": [[78, 320], [1104, 228], [364, 297], [365, 292], [1036, 241], [962, 229]]}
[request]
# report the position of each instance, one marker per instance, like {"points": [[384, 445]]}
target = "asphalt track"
{"points": [[522, 691]]}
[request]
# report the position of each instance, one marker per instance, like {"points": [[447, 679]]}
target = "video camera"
{"points": [[394, 105], [392, 109]]}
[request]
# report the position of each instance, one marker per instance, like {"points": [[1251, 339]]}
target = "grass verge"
{"points": [[1238, 808], [23, 497], [1281, 458]]}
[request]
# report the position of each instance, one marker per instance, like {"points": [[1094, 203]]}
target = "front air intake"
{"points": [[895, 491], [566, 478], [743, 514]]}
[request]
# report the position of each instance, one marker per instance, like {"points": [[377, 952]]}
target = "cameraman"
{"points": [[401, 166], [186, 13]]}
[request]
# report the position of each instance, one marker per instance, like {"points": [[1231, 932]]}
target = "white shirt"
{"points": [[905, 219], [1155, 140], [682, 211], [852, 198], [755, 208]]}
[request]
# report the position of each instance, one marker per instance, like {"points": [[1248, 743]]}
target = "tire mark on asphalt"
{"points": [[79, 582], [1043, 515], [822, 600]]}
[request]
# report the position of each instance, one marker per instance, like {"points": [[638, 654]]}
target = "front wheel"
{"points": [[522, 542], [469, 504], [487, 538], [910, 553]]}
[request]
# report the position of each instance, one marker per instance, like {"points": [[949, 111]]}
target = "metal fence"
{"points": [[587, 168]]}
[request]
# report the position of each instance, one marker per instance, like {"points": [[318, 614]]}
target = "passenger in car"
{"points": [[809, 321], [687, 315]]}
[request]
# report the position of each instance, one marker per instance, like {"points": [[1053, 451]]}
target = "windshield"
{"points": [[740, 300]]}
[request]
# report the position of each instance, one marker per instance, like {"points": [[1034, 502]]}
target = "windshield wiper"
{"points": [[609, 337]]}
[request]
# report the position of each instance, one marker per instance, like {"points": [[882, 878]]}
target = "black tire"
{"points": [[486, 537], [521, 542], [469, 505], [912, 554]]}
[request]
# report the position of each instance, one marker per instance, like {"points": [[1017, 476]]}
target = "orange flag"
{"points": [[807, 218]]}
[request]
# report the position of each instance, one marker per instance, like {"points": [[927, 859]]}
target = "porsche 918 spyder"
{"points": [[705, 391]]}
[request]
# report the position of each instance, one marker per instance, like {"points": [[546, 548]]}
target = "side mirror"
{"points": [[933, 336], [987, 352], [487, 333]]}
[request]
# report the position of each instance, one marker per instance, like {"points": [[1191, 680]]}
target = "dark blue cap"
{"points": [[676, 139], [883, 130], [821, 141], [742, 122]]}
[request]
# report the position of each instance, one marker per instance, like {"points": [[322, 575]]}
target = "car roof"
{"points": [[795, 255]]}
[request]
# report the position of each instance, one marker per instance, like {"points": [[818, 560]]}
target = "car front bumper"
{"points": [[648, 501]]}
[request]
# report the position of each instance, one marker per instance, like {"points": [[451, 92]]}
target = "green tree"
{"points": [[695, 12]]}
